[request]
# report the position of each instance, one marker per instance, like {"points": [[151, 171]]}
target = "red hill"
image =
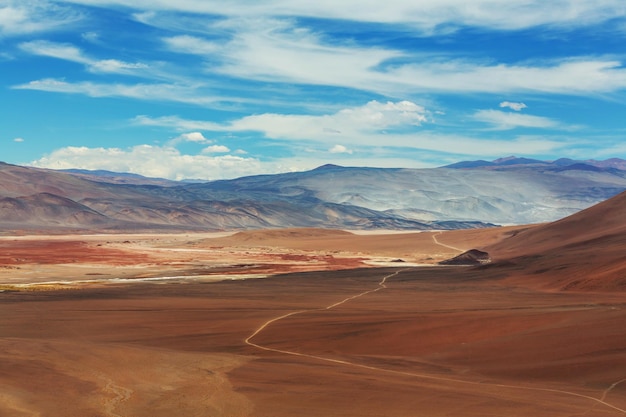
{"points": [[585, 251]]}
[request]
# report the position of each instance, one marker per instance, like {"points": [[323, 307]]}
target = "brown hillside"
{"points": [[584, 251], [17, 181]]}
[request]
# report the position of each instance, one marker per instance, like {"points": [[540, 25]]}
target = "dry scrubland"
{"points": [[174, 325]]}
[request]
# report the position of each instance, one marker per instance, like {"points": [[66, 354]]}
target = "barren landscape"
{"points": [[314, 322], [312, 208]]}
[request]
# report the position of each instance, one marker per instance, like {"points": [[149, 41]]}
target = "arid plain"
{"points": [[308, 322]]}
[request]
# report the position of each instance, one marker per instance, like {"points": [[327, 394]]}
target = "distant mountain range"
{"points": [[464, 195], [566, 163]]}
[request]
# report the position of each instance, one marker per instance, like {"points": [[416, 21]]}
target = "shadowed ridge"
{"points": [[470, 258]]}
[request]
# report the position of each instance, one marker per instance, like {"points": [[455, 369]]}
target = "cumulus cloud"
{"points": [[191, 137], [169, 162], [216, 149], [151, 161], [340, 149], [513, 105], [507, 120]]}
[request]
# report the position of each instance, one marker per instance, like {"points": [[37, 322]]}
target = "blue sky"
{"points": [[213, 89]]}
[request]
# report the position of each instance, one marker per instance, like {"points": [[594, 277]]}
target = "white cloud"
{"points": [[19, 17], [116, 66], [151, 161], [425, 15], [277, 51], [191, 137], [272, 50], [169, 162], [350, 123], [389, 125], [513, 106], [507, 120], [340, 149], [71, 53], [19, 140], [177, 123], [572, 76], [91, 37], [191, 45], [152, 92], [215, 149], [55, 50]]}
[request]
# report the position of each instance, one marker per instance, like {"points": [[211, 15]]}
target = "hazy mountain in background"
{"points": [[119, 177], [469, 194]]}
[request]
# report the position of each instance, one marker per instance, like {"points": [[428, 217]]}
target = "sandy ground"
{"points": [[92, 259], [335, 336]]}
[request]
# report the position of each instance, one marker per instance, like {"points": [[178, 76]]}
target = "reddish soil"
{"points": [[582, 252], [16, 252], [434, 342], [346, 340]]}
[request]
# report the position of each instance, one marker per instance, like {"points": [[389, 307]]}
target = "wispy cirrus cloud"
{"points": [[192, 45], [143, 91], [19, 17], [424, 15], [577, 76], [288, 76], [280, 52], [501, 120], [71, 53], [273, 50], [276, 50]]}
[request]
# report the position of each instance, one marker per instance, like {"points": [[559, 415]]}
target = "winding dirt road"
{"points": [[434, 236], [382, 285]]}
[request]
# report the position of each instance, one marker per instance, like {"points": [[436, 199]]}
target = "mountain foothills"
{"points": [[464, 195]]}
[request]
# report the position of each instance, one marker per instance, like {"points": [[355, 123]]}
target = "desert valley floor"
{"points": [[297, 323]]}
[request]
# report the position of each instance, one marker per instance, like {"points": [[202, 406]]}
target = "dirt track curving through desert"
{"points": [[381, 286], [434, 236], [324, 334]]}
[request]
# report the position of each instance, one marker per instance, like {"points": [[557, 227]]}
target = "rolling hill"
{"points": [[585, 251]]}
